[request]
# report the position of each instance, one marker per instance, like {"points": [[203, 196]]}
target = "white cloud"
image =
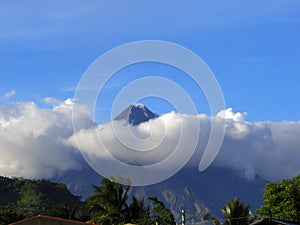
{"points": [[262, 148], [229, 114], [158, 138], [37, 142], [267, 149], [31, 143]]}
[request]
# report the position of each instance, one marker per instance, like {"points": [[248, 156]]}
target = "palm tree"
{"points": [[236, 213], [137, 210], [160, 213], [108, 203]]}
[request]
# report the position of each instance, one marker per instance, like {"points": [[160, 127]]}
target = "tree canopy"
{"points": [[160, 213], [20, 198], [24, 198], [108, 205], [235, 213], [9, 215], [282, 200]]}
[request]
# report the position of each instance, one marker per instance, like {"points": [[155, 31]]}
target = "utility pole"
{"points": [[182, 217]]}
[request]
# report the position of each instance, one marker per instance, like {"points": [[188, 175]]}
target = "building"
{"points": [[47, 220]]}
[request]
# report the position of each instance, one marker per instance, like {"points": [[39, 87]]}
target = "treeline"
{"points": [[31, 196], [21, 198], [110, 204]]}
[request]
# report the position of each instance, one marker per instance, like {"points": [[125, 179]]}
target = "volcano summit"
{"points": [[136, 114]]}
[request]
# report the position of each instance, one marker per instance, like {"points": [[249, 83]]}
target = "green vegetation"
{"points": [[108, 205], [282, 200], [9, 215], [23, 198], [235, 213], [160, 213]]}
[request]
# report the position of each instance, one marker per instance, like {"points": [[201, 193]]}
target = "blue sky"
{"points": [[251, 46]]}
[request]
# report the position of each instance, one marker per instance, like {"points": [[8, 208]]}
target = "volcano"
{"points": [[135, 114], [196, 192]]}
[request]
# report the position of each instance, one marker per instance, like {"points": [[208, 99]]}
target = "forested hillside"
{"points": [[29, 197]]}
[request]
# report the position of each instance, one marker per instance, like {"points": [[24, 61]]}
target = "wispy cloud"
{"points": [[52, 101], [9, 94], [92, 87]]}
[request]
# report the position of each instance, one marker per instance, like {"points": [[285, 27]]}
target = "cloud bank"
{"points": [[31, 140], [39, 143]]}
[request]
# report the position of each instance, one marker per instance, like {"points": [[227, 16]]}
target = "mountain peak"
{"points": [[136, 114], [138, 105]]}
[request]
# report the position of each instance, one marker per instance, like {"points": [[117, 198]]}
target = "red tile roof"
{"points": [[51, 218]]}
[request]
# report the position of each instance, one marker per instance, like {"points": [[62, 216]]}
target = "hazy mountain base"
{"points": [[196, 192]]}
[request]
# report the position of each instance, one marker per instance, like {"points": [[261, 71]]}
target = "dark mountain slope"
{"points": [[199, 193], [196, 192]]}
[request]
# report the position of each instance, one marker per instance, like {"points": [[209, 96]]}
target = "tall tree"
{"points": [[137, 210], [160, 213], [108, 206], [108, 203], [282, 200], [236, 213]]}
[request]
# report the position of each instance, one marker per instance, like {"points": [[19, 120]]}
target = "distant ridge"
{"points": [[136, 114]]}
